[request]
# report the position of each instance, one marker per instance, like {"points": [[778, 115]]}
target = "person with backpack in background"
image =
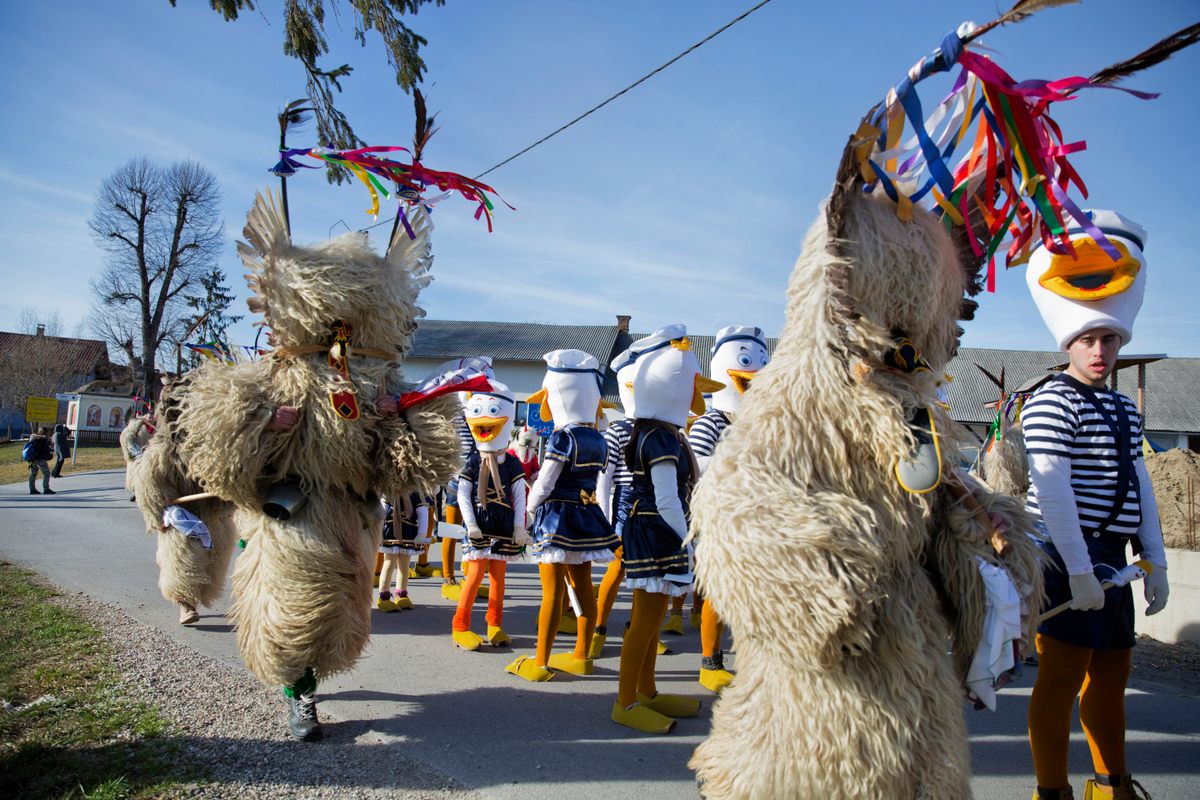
{"points": [[38, 452], [62, 448]]}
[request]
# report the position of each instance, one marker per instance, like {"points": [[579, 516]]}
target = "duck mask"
{"points": [[1091, 290], [664, 377], [739, 353], [490, 417], [570, 391]]}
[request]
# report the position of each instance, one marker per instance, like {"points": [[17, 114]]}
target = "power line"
{"points": [[599, 106]]}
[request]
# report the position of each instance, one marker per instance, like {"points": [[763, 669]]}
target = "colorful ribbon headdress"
{"points": [[1012, 178]]}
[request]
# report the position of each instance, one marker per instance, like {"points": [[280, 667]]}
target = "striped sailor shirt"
{"points": [[1059, 420], [466, 442], [617, 437], [706, 432]]}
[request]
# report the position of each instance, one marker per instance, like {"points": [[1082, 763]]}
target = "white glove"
{"points": [[521, 536], [475, 536], [1156, 590], [1086, 594]]}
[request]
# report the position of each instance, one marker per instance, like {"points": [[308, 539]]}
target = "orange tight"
{"points": [[613, 577], [677, 604], [1098, 677], [640, 648], [710, 629], [448, 555], [495, 569], [554, 589]]}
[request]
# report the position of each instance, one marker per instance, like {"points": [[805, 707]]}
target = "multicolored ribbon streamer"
{"points": [[1016, 148], [410, 181]]}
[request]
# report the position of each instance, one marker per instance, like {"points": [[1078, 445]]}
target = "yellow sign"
{"points": [[41, 409]]}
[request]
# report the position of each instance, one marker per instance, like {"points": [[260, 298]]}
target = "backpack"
{"points": [[27, 452]]}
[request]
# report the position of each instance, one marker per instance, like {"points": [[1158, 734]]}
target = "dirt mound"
{"points": [[1169, 472]]}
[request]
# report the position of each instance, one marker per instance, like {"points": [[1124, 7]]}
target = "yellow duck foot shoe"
{"points": [[663, 649], [484, 591], [567, 662], [467, 640], [674, 624], [1065, 793], [671, 705], [404, 602], [385, 604], [423, 571], [715, 679], [497, 636], [451, 591], [641, 718], [187, 614], [567, 624], [1120, 787], [436, 573], [525, 667], [597, 645], [694, 620]]}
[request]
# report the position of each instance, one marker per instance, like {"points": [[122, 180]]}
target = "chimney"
{"points": [[41, 329], [623, 323]]}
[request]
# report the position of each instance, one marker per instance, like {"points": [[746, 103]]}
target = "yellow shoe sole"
{"points": [[671, 705], [597, 645], [715, 679], [641, 718], [404, 604], [385, 606], [567, 662], [674, 624], [467, 640], [525, 667], [497, 636]]}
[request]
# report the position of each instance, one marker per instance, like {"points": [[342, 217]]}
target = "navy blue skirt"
{"points": [[1107, 628]]}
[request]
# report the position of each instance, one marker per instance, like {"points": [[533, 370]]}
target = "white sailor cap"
{"points": [[732, 333], [499, 390], [573, 361]]}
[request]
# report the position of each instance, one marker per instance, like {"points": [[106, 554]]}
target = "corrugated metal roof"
{"points": [[509, 341]]}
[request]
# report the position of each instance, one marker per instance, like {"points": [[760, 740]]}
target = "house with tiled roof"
{"points": [[37, 365]]}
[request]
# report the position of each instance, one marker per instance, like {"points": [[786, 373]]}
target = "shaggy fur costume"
{"points": [[302, 588], [1003, 466], [188, 573], [134, 437], [851, 694]]}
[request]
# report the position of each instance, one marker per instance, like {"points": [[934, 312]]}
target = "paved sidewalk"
{"points": [[460, 712]]}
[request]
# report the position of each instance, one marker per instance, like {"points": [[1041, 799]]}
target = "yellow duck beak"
{"points": [[741, 379], [484, 429], [1091, 276], [542, 398], [703, 386]]}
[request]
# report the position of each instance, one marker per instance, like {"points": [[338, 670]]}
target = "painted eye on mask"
{"points": [[494, 411], [744, 360]]}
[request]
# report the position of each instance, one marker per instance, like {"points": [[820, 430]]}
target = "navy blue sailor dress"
{"points": [[569, 526], [495, 518], [406, 541], [655, 558]]}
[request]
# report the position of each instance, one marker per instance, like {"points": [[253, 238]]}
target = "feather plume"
{"points": [[294, 116], [424, 125], [1155, 54], [414, 254], [1020, 10], [998, 381]]}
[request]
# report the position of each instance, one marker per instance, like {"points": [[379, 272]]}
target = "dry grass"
{"points": [[90, 459]]}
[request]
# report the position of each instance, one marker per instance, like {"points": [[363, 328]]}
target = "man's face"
{"points": [[1093, 354]]}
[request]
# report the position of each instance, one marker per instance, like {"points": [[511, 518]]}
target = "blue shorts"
{"points": [[1107, 628]]}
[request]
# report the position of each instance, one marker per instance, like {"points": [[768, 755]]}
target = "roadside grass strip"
{"points": [[90, 459], [67, 730]]}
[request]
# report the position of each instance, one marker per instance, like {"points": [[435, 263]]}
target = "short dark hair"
{"points": [[43, 430]]}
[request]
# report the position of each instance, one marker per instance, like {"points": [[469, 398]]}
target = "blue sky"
{"points": [[684, 201]]}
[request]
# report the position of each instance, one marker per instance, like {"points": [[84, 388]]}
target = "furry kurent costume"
{"points": [[739, 353], [300, 442], [133, 440], [837, 487], [664, 384], [491, 498], [568, 528], [1092, 492]]}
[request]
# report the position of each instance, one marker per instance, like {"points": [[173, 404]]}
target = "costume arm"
{"points": [[604, 489], [547, 478], [666, 497], [1150, 533], [466, 503], [1051, 476], [423, 513]]}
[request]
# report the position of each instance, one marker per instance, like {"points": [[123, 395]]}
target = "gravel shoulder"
{"points": [[233, 726]]}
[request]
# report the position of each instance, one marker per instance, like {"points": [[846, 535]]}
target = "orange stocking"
{"points": [[710, 630], [1102, 709], [470, 588], [448, 554], [613, 576], [581, 579], [554, 585], [677, 604], [640, 647], [1062, 668], [496, 570]]}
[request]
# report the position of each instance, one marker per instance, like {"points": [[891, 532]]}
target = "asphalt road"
{"points": [[464, 716]]}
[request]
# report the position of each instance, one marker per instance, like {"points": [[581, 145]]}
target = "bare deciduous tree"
{"points": [[161, 229], [31, 318]]}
